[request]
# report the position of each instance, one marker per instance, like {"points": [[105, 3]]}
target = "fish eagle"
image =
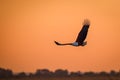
{"points": [[81, 36]]}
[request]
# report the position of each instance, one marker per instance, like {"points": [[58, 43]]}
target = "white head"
{"points": [[75, 44]]}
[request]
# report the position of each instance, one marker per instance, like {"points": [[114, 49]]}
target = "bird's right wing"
{"points": [[83, 33]]}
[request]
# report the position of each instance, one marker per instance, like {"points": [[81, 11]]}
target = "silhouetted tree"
{"points": [[103, 73], [43, 73], [38, 73], [61, 73], [118, 73], [2, 73], [74, 74], [89, 74], [113, 73], [5, 73], [21, 74], [31, 74]]}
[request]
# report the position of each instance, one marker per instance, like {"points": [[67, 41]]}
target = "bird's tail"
{"points": [[84, 43]]}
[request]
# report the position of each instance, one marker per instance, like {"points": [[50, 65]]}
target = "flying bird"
{"points": [[81, 35]]}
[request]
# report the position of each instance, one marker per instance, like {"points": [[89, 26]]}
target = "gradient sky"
{"points": [[28, 29]]}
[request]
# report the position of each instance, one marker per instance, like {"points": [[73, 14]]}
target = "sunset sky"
{"points": [[28, 29]]}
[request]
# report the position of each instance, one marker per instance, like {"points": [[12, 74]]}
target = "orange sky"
{"points": [[28, 29]]}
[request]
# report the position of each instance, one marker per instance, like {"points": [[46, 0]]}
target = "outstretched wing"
{"points": [[62, 43], [57, 43], [83, 33]]}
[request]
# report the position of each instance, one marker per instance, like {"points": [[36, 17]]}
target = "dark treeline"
{"points": [[7, 73]]}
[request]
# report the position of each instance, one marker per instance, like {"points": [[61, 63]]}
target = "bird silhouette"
{"points": [[81, 36]]}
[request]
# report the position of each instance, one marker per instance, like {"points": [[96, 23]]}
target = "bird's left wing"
{"points": [[57, 43]]}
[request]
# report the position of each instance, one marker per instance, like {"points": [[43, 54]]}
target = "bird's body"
{"points": [[81, 36]]}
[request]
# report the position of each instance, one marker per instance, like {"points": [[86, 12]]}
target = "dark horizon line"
{"points": [[60, 69], [7, 73]]}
